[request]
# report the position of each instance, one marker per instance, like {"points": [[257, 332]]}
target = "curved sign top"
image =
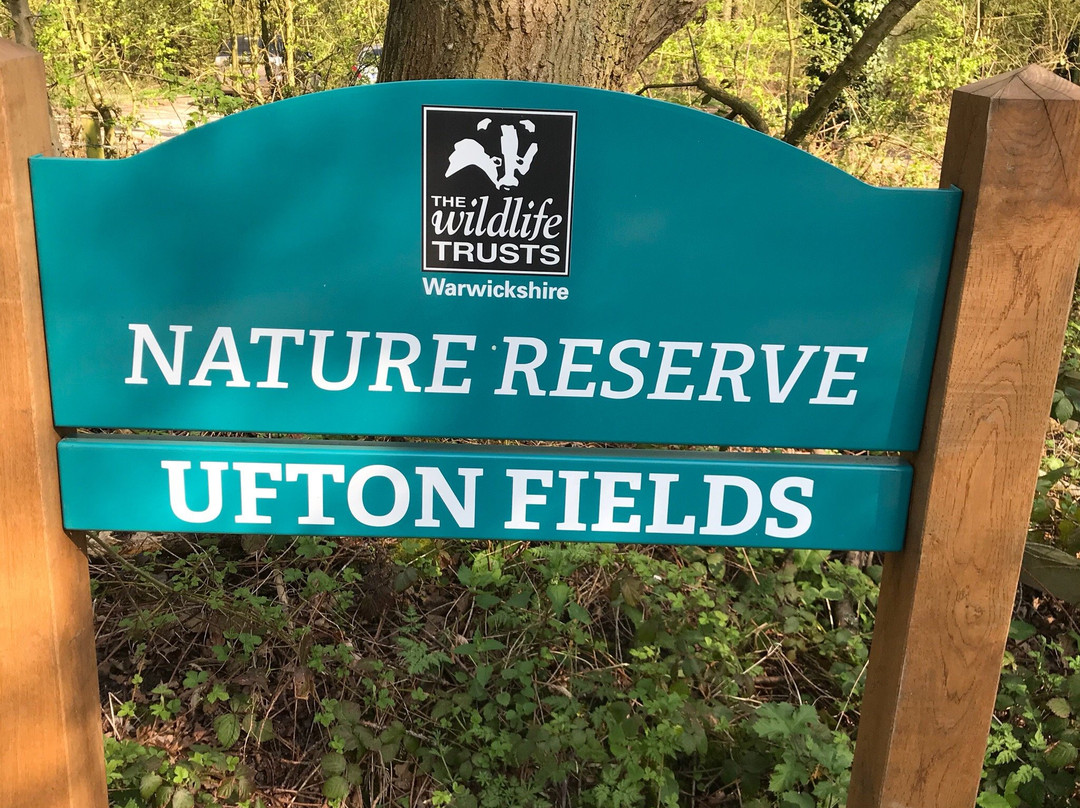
{"points": [[490, 260]]}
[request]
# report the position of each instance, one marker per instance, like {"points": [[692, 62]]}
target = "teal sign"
{"points": [[494, 260], [330, 488], [477, 259]]}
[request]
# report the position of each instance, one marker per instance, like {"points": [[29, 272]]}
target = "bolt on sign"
{"points": [[462, 263]]}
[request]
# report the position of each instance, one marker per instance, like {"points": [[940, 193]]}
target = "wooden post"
{"points": [[50, 716], [1013, 147]]}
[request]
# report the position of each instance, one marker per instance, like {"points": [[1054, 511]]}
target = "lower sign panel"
{"points": [[484, 492]]}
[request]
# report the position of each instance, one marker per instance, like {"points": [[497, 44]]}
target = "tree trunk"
{"points": [[290, 45], [811, 118], [597, 43], [24, 22]]}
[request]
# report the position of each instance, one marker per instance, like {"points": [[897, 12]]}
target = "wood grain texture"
{"points": [[943, 615], [50, 728]]}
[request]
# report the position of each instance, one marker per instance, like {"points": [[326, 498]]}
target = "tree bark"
{"points": [[24, 22], [597, 43]]}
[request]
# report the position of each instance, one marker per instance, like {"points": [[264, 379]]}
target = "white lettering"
{"points": [[442, 363], [250, 493], [669, 369], [316, 474], [463, 511], [568, 367], [144, 338], [521, 499], [831, 374], [609, 502], [355, 496], [277, 336], [178, 493], [662, 507], [714, 525], [223, 337], [513, 365], [386, 349], [779, 500], [733, 375], [778, 394], [318, 359]]}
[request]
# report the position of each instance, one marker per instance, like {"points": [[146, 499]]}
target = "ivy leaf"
{"points": [[989, 800], [227, 727]]}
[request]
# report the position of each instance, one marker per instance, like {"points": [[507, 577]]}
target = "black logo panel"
{"points": [[498, 187]]}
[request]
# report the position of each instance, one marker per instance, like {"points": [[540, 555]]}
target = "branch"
{"points": [[811, 117], [740, 106]]}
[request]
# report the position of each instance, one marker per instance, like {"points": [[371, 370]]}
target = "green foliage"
{"points": [[141, 776], [505, 675], [1032, 753]]}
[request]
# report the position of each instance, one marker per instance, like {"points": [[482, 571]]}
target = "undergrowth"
{"points": [[303, 671]]}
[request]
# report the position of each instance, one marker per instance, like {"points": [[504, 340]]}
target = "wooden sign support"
{"points": [[1013, 149], [50, 717], [943, 614]]}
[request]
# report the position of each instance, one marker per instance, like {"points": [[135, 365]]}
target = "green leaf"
{"points": [[149, 784], [182, 798], [227, 727], [259, 730], [989, 800], [406, 578], [578, 613], [1054, 572], [787, 773], [1064, 409], [366, 738], [336, 788], [1020, 631], [354, 774], [333, 763], [348, 711], [1072, 686], [1061, 754], [1059, 707], [558, 594]]}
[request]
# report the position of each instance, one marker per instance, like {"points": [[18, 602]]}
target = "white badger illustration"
{"points": [[470, 152]]}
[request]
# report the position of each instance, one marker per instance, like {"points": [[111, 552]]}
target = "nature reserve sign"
{"points": [[460, 263], [497, 261]]}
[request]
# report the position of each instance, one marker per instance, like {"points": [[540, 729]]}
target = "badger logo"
{"points": [[498, 190]]}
